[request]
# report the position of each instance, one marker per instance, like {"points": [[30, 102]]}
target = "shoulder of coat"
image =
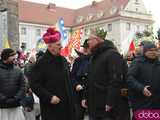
{"points": [[112, 52], [64, 59], [139, 60], [17, 69]]}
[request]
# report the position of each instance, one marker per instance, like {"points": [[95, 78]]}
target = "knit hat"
{"points": [[51, 36], [147, 46], [6, 53]]}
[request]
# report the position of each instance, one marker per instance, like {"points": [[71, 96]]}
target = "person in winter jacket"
{"points": [[79, 78], [12, 87], [144, 79]]}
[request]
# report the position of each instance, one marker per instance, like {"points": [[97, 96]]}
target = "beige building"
{"points": [[118, 17]]}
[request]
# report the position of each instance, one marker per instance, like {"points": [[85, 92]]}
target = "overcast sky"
{"points": [[152, 5], [74, 4]]}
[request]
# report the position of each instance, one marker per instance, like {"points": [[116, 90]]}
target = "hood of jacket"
{"points": [[5, 66], [106, 45]]}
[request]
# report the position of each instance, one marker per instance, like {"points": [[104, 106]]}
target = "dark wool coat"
{"points": [[80, 73], [144, 72], [105, 80], [50, 77]]}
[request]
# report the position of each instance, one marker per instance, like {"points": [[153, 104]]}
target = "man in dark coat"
{"points": [[50, 81], [144, 79], [79, 78], [105, 80]]}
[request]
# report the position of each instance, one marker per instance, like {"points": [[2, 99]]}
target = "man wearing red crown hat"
{"points": [[50, 81]]}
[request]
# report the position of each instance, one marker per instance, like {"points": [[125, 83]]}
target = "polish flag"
{"points": [[128, 44], [132, 47]]}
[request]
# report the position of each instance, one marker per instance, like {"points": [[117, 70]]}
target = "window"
{"points": [[38, 32], [138, 27], [137, 2], [128, 26], [89, 17], [146, 27], [79, 19], [23, 31], [100, 14], [136, 9], [109, 27], [87, 31]]}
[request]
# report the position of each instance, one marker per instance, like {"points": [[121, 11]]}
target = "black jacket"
{"points": [[105, 77], [50, 77], [12, 86], [144, 72], [79, 74], [27, 69]]}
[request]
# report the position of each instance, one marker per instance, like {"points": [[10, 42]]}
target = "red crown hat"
{"points": [[51, 36]]}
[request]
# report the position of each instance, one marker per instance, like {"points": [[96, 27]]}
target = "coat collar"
{"points": [[5, 66], [144, 59], [100, 48], [50, 57]]}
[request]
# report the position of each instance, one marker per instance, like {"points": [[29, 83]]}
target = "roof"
{"points": [[39, 13], [100, 11]]}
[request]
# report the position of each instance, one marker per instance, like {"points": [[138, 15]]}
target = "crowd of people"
{"points": [[100, 83]]}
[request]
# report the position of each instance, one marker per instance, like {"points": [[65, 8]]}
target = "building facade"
{"points": [[9, 23], [30, 34], [118, 17]]}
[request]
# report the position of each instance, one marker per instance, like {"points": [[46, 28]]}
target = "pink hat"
{"points": [[51, 36]]}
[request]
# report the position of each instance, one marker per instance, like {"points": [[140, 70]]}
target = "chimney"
{"points": [[51, 6], [94, 3]]}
